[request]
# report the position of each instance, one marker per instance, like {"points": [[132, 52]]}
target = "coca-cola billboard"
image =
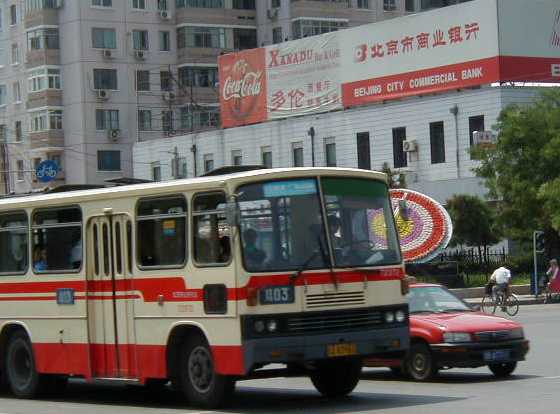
{"points": [[242, 88]]}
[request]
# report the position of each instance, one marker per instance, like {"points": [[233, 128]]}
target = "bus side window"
{"points": [[211, 244], [13, 243], [57, 240], [161, 232]]}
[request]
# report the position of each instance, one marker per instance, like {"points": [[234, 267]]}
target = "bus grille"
{"points": [[355, 319], [319, 300], [492, 336]]}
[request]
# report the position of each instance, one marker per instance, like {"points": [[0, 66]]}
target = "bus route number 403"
{"points": [[277, 295]]}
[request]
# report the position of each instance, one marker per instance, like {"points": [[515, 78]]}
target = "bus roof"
{"points": [[187, 184]]}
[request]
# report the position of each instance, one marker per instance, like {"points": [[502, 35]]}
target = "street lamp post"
{"points": [[311, 133]]}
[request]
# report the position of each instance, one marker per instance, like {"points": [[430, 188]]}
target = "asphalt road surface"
{"points": [[534, 388]]}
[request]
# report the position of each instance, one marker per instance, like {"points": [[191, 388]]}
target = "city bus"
{"points": [[202, 282]]}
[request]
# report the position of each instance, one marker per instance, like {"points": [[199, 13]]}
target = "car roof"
{"points": [[419, 285]]}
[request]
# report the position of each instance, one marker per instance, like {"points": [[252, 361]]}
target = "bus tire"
{"points": [[197, 379], [336, 378], [21, 372]]}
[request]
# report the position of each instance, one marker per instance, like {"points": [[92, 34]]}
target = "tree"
{"points": [[523, 169], [474, 223]]}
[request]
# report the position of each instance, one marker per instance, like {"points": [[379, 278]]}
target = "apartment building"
{"points": [[81, 81]]}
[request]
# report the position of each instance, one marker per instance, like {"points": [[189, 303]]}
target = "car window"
{"points": [[434, 299]]}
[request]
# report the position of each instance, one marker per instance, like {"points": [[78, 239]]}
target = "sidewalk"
{"points": [[475, 295]]}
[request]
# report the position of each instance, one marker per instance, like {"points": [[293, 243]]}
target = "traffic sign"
{"points": [[47, 171]]}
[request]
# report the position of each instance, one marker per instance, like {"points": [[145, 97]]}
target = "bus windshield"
{"points": [[283, 225]]}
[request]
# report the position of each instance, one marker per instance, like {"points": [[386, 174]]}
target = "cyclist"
{"points": [[502, 279]]}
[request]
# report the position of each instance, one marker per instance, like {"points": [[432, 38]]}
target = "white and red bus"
{"points": [[202, 282]]}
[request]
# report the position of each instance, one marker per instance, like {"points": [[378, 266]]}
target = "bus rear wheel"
{"points": [[21, 372], [198, 380], [336, 378]]}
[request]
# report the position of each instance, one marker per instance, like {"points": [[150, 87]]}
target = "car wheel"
{"points": [[336, 378], [419, 363], [503, 369]]}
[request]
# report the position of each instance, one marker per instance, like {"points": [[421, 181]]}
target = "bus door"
{"points": [[110, 298]]}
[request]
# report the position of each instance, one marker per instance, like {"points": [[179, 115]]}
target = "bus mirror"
{"points": [[232, 213]]}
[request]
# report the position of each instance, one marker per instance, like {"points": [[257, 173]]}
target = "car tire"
{"points": [[419, 363], [502, 370], [336, 378]]}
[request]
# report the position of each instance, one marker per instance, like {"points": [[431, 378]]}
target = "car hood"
{"points": [[465, 321]]}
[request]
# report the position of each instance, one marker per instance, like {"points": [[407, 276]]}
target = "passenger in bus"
{"points": [[40, 259], [225, 250], [334, 230], [253, 254], [76, 253]]}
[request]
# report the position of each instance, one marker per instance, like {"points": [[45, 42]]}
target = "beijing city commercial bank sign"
{"points": [[466, 45]]}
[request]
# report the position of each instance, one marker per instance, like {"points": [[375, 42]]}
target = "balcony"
{"points": [[217, 16], [320, 8], [49, 97], [47, 139], [41, 17]]}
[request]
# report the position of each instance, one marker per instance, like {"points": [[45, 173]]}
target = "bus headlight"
{"points": [[259, 326], [272, 326], [400, 316], [389, 317]]}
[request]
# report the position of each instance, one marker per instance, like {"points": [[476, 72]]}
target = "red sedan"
{"points": [[445, 333]]}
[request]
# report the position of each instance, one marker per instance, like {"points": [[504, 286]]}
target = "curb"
{"points": [[522, 301], [478, 292]]}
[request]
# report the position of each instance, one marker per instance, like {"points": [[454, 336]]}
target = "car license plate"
{"points": [[498, 355], [342, 349], [274, 295]]}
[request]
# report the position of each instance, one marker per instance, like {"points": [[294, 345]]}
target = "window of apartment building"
{"points": [[399, 156], [200, 77], [13, 15], [207, 4], [142, 80], [106, 119], [164, 41], [266, 156], [236, 157], [139, 4], [16, 92], [209, 37], [437, 142], [42, 4], [162, 5], [3, 97], [275, 4], [108, 160], [144, 120], [179, 167], [167, 121], [156, 171], [330, 152], [18, 131], [409, 5], [431, 4], [310, 27], [199, 119], [362, 146], [244, 39], [103, 38], [44, 120], [140, 40], [208, 162], [476, 123], [20, 170], [102, 3], [105, 79], [363, 4], [389, 5], [277, 36], [15, 54], [297, 154], [57, 158], [40, 39], [43, 78], [36, 162], [244, 4], [165, 80]]}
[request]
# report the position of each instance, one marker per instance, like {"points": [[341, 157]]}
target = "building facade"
{"points": [[81, 81], [436, 161]]}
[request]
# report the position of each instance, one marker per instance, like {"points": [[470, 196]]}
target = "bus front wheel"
{"points": [[336, 378], [21, 373], [198, 380]]}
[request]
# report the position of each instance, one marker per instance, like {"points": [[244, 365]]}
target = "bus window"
{"points": [[161, 232], [211, 232], [57, 240], [13, 243]]}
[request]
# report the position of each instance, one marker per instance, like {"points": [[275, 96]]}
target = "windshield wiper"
{"points": [[423, 311], [295, 276]]}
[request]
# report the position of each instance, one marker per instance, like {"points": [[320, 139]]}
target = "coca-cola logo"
{"points": [[248, 85], [242, 89]]}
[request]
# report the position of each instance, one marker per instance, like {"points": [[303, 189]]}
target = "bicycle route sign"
{"points": [[47, 171]]}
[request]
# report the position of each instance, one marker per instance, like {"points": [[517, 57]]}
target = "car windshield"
{"points": [[434, 299], [283, 226]]}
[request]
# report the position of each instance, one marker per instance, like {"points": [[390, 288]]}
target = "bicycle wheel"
{"points": [[488, 304], [512, 305]]}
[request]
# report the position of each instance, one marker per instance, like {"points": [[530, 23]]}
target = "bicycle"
{"points": [[509, 304]]}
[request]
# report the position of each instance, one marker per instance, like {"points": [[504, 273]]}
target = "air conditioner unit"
{"points": [[168, 96], [103, 94], [484, 138], [113, 134], [165, 14], [140, 54], [410, 146], [107, 53], [272, 13]]}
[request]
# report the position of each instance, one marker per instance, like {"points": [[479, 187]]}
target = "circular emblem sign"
{"points": [[46, 171], [423, 224]]}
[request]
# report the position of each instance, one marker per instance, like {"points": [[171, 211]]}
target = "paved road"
{"points": [[534, 389]]}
